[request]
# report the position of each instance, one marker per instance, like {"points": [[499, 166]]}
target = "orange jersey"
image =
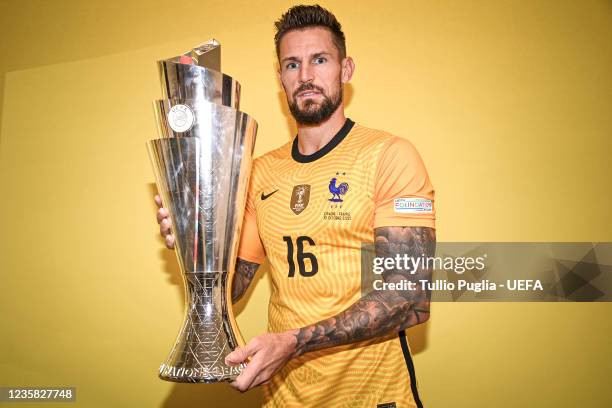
{"points": [[310, 215]]}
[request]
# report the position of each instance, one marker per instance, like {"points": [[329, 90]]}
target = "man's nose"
{"points": [[306, 73]]}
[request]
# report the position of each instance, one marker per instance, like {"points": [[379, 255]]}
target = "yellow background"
{"points": [[509, 103]]}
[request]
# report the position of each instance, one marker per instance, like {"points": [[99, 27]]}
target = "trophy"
{"points": [[202, 164]]}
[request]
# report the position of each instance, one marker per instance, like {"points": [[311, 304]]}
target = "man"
{"points": [[311, 204]]}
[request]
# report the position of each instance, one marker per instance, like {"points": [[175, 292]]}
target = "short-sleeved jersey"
{"points": [[310, 215]]}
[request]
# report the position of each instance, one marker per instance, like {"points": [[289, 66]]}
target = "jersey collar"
{"points": [[335, 141]]}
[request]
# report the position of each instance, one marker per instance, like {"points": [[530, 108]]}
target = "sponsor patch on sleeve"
{"points": [[412, 205]]}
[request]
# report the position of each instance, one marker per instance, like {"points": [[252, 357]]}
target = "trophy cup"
{"points": [[202, 164]]}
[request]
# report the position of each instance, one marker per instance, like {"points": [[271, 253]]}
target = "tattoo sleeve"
{"points": [[383, 311], [243, 276]]}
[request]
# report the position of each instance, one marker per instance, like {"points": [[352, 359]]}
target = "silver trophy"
{"points": [[202, 164]]}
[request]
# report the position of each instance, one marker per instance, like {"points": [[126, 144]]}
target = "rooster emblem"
{"points": [[337, 191]]}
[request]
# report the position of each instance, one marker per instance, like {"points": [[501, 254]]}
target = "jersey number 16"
{"points": [[301, 256]]}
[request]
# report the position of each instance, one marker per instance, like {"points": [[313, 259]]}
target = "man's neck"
{"points": [[312, 138]]}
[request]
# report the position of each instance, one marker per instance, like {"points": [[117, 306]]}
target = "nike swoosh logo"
{"points": [[266, 196]]}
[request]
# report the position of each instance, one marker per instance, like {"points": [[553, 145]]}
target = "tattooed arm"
{"points": [[379, 312], [243, 276], [376, 314]]}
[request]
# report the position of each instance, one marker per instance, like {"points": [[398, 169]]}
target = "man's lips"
{"points": [[308, 93]]}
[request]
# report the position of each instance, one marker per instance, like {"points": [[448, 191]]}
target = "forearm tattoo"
{"points": [[243, 276], [380, 312]]}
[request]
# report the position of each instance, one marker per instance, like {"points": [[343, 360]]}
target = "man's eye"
{"points": [[320, 60], [291, 65]]}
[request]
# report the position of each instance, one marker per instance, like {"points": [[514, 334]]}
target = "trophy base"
{"points": [[195, 375], [198, 380]]}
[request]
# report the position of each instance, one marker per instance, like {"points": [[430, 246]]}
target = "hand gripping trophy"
{"points": [[202, 164]]}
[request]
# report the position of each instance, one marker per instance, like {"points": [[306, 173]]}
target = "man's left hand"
{"points": [[264, 355]]}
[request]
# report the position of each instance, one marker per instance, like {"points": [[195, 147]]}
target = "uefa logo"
{"points": [[180, 118]]}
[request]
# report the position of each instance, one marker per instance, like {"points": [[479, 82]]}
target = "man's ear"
{"points": [[348, 67]]}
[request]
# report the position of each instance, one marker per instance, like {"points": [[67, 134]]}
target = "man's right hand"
{"points": [[165, 225]]}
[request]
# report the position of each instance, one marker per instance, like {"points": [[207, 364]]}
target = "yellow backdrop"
{"points": [[509, 103]]}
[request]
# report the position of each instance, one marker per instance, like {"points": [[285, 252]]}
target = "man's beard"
{"points": [[308, 116]]}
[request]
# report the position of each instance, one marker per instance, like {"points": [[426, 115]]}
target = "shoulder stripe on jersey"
{"points": [[410, 365], [303, 158]]}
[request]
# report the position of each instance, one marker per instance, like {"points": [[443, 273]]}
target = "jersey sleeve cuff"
{"points": [[397, 221], [250, 257]]}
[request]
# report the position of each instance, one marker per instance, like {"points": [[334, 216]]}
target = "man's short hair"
{"points": [[300, 17]]}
